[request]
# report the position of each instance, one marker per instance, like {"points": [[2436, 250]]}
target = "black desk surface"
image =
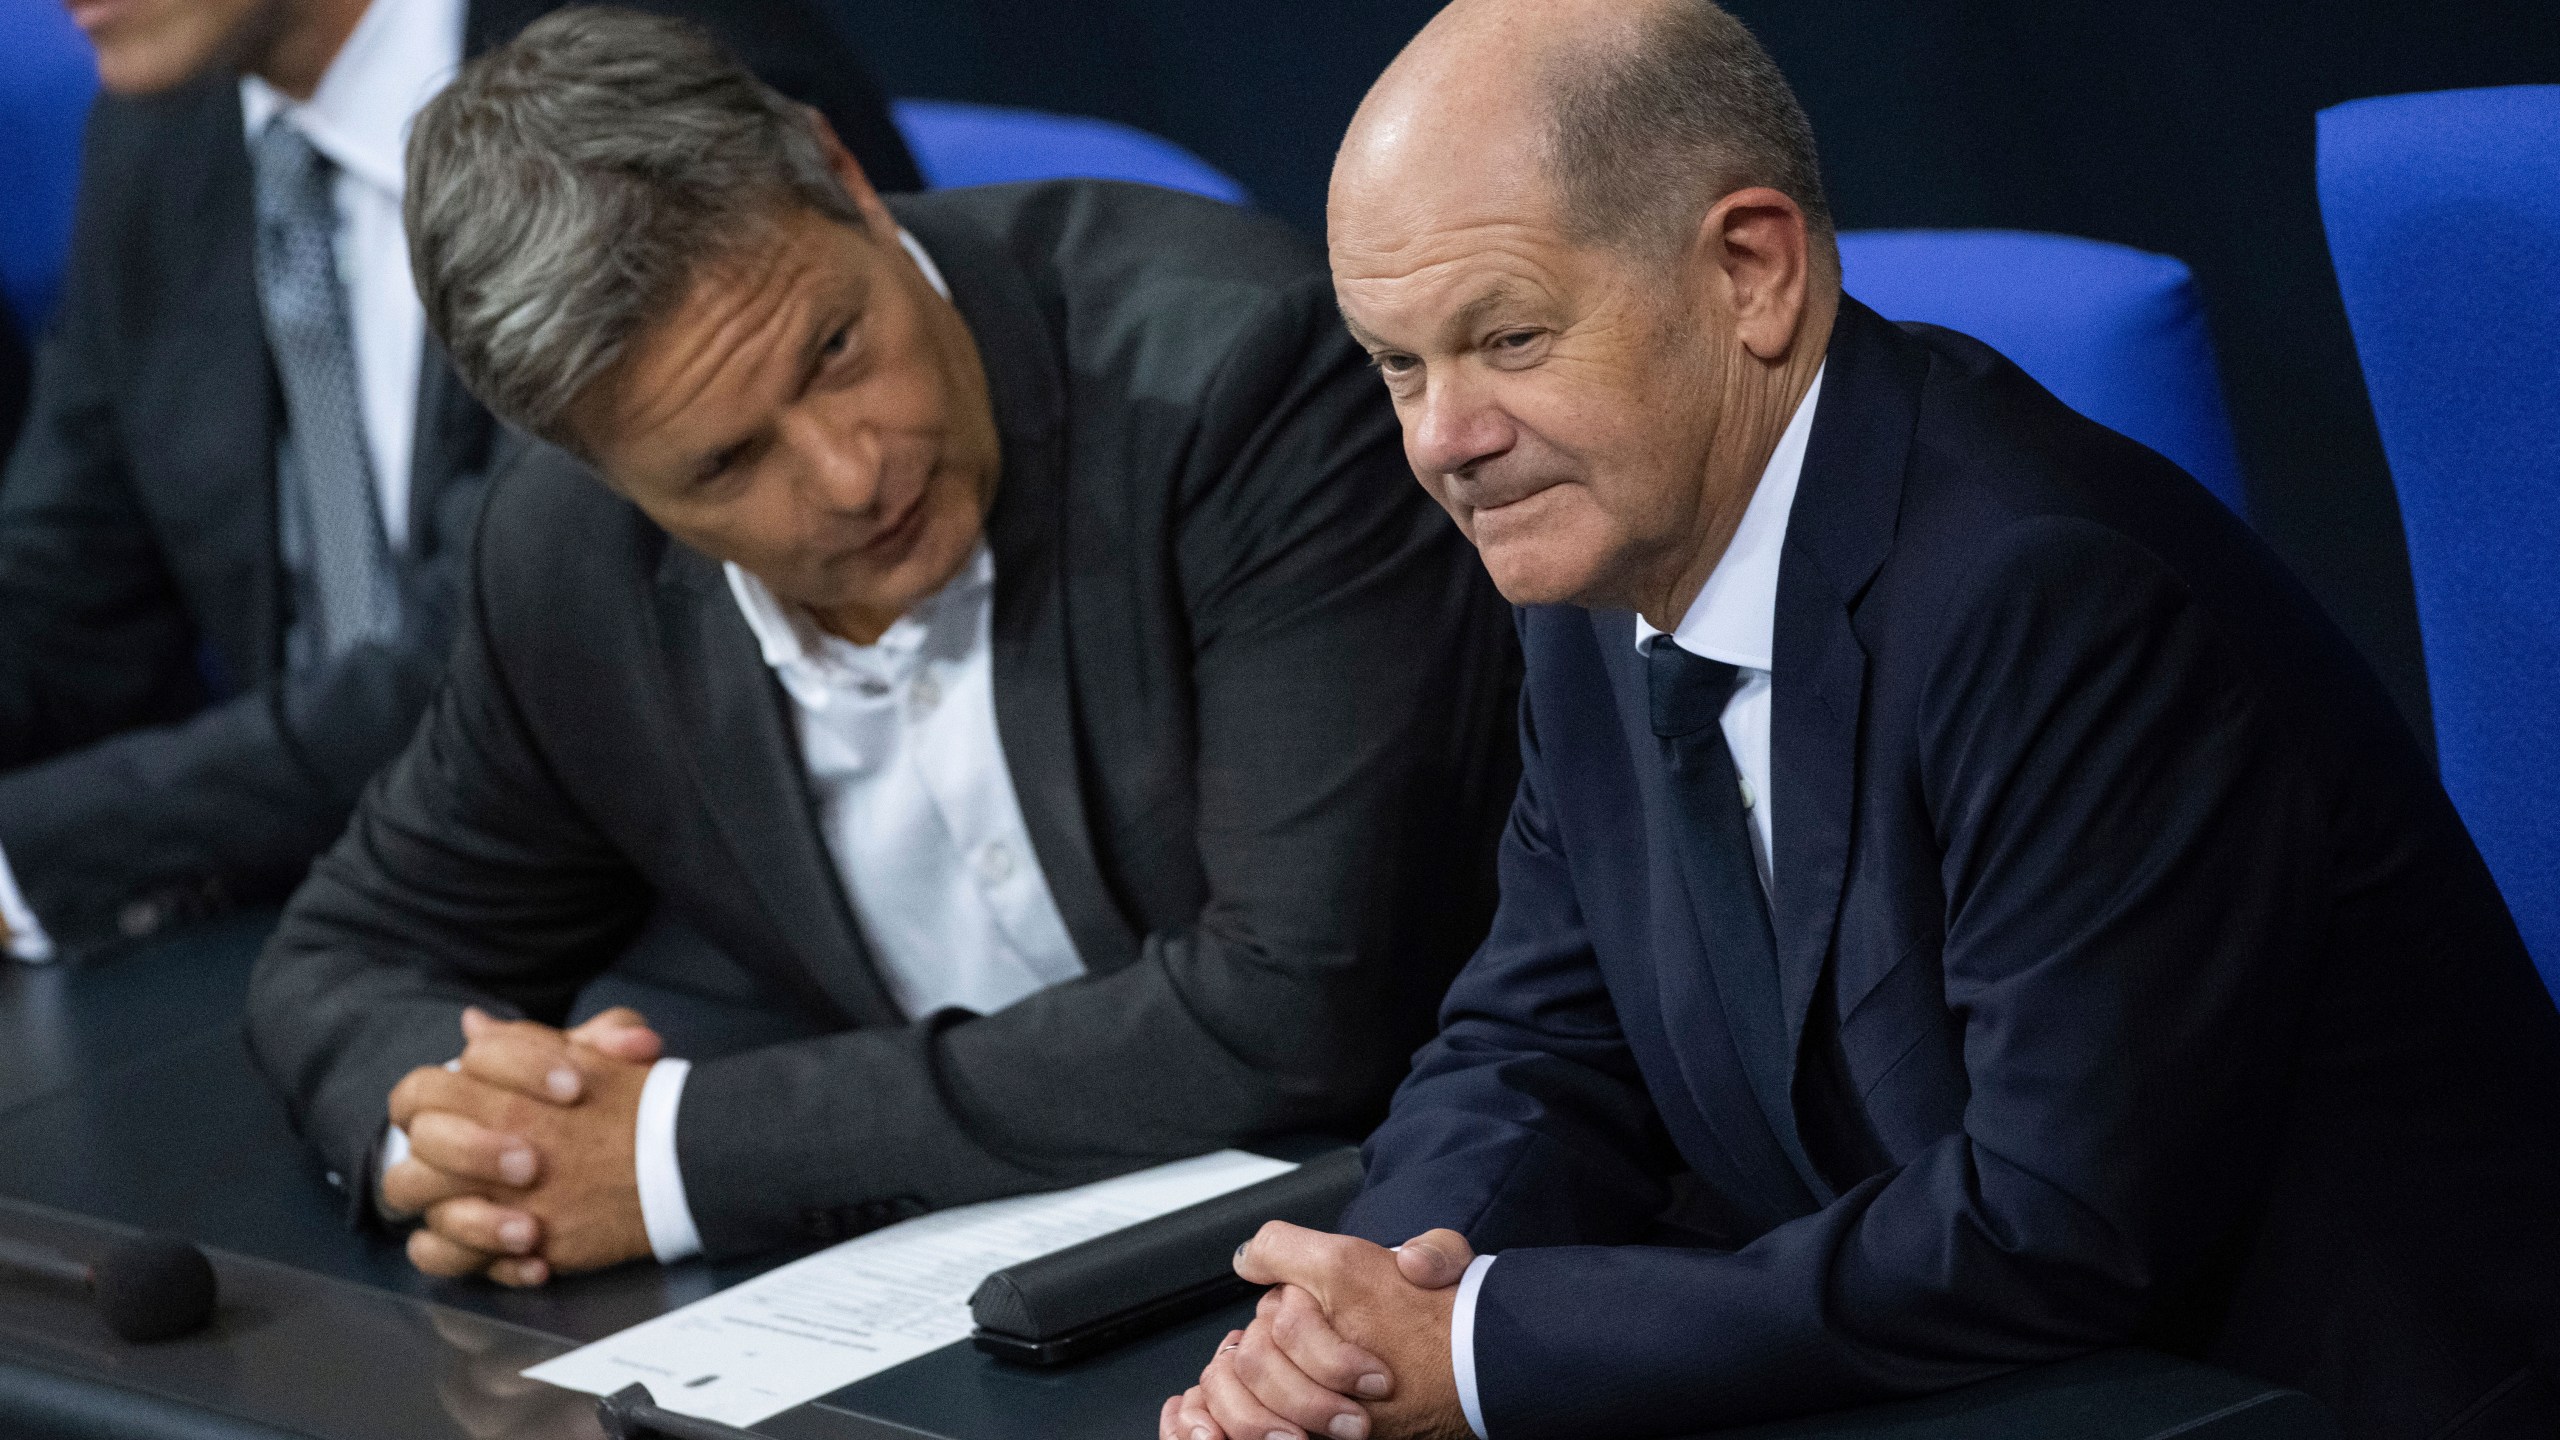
{"points": [[127, 1099]]}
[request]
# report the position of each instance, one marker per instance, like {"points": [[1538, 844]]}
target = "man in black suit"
{"points": [[1964, 906], [227, 558], [998, 621]]}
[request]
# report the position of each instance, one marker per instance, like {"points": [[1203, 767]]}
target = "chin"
{"points": [[1530, 574]]}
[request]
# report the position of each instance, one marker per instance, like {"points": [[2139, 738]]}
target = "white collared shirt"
{"points": [[398, 56], [1735, 620]]}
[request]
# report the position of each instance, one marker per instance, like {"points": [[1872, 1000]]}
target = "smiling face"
{"points": [[815, 412]]}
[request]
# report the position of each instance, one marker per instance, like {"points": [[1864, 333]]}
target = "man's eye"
{"points": [[1393, 364], [720, 464], [1514, 339], [837, 344]]}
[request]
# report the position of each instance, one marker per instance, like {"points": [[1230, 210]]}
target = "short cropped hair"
{"points": [[1650, 131], [566, 189]]}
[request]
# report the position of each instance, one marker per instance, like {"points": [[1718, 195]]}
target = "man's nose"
{"points": [[840, 464], [1455, 425]]}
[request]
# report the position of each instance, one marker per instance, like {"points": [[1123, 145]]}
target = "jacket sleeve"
{"points": [[2131, 866], [466, 877], [1525, 1121], [1353, 674], [231, 804]]}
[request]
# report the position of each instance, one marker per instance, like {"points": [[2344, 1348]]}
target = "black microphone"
{"points": [[147, 1288]]}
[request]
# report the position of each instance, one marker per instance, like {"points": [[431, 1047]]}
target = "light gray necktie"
{"points": [[332, 517]]}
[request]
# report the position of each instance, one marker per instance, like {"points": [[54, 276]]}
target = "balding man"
{"points": [[1964, 905]]}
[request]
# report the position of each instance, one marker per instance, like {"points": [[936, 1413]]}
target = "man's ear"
{"points": [[1757, 241], [848, 173]]}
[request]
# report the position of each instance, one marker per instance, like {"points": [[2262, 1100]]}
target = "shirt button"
{"points": [[925, 694], [1748, 799], [871, 688], [995, 863]]}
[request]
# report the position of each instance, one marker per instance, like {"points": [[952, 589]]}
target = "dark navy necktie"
{"points": [[1689, 694], [346, 591]]}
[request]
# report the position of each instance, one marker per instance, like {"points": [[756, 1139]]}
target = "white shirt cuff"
{"points": [[1462, 1342], [27, 940], [663, 1210]]}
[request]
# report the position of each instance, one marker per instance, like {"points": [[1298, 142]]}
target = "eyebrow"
{"points": [[1468, 317]]}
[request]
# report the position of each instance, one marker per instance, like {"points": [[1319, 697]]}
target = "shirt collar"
{"points": [[790, 639], [1735, 617], [399, 55]]}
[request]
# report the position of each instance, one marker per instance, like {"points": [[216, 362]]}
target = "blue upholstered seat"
{"points": [[2443, 213], [2116, 333], [958, 144], [46, 80]]}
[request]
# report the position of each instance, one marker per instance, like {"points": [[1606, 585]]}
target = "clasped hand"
{"points": [[521, 1154], [1351, 1342]]}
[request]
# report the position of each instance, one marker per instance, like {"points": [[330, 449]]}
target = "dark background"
{"points": [[2181, 126]]}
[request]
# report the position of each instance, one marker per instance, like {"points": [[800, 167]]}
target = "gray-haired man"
{"points": [[1004, 630]]}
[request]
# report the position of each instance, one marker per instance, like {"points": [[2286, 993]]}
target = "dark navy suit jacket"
{"points": [[2138, 982]]}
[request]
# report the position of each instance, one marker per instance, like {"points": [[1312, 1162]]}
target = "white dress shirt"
{"points": [[399, 55], [1735, 620]]}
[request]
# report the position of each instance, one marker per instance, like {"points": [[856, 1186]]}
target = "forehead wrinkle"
{"points": [[751, 336], [1491, 276]]}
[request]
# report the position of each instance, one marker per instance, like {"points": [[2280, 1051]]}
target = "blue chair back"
{"points": [[958, 144], [2116, 333], [2443, 213], [47, 78]]}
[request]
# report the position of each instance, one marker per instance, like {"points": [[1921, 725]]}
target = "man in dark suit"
{"points": [[1964, 905], [998, 621], [226, 557]]}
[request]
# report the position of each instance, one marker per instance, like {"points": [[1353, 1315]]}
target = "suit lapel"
{"points": [[747, 765], [205, 395], [1037, 715], [1842, 525]]}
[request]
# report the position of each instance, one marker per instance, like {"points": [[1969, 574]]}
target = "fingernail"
{"points": [[518, 1235], [1347, 1427], [1203, 1432], [1373, 1386], [1279, 1435], [516, 1167], [534, 1272], [563, 1083], [1240, 1252]]}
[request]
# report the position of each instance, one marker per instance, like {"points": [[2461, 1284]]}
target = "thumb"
{"points": [[1435, 1259], [622, 1033]]}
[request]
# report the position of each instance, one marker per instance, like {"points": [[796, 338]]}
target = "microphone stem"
{"points": [[32, 1259]]}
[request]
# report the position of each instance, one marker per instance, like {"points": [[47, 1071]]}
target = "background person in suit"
{"points": [[1964, 905], [1003, 625], [230, 533]]}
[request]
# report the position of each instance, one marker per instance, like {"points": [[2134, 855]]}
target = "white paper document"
{"points": [[877, 1300]]}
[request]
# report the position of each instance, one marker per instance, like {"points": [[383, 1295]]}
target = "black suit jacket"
{"points": [[2138, 982], [1253, 689], [155, 761]]}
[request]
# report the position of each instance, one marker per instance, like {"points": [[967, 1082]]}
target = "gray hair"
{"points": [[565, 190], [1650, 132]]}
